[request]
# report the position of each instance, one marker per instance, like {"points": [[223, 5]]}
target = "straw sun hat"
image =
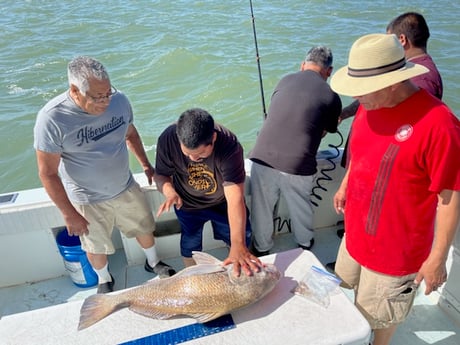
{"points": [[375, 62]]}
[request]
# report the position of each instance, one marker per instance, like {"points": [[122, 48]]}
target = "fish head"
{"points": [[260, 283], [269, 272], [249, 289]]}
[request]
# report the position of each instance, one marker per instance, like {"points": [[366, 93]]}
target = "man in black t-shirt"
{"points": [[200, 170]]}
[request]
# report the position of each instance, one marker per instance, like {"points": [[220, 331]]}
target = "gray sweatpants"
{"points": [[267, 184]]}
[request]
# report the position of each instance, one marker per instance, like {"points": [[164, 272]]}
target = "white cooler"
{"points": [[279, 318]]}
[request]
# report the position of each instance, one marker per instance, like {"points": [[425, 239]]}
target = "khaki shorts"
{"points": [[129, 212], [383, 300]]}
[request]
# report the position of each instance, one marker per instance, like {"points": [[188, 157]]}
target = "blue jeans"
{"points": [[192, 222]]}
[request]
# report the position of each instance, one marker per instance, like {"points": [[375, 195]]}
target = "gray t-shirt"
{"points": [[94, 156]]}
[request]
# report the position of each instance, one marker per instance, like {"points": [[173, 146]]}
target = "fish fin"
{"points": [[148, 312], [198, 270], [202, 258], [202, 318], [97, 307]]}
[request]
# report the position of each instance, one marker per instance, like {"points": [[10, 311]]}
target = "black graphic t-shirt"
{"points": [[200, 184]]}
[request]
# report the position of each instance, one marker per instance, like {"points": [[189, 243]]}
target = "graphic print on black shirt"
{"points": [[201, 178]]}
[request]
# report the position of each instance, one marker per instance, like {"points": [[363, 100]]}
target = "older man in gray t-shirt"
{"points": [[81, 138]]}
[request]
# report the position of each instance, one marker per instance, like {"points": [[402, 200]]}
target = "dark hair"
{"points": [[195, 127], [321, 55], [413, 26]]}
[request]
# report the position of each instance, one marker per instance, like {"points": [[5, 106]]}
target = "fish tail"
{"points": [[97, 307]]}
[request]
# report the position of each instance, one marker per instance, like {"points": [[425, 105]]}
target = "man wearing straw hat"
{"points": [[402, 182]]}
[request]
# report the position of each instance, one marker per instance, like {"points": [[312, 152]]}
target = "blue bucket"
{"points": [[75, 261]]}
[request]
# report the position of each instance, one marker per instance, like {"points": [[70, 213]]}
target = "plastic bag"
{"points": [[317, 286]]}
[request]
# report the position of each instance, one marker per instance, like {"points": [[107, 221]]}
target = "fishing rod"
{"points": [[324, 172], [258, 61]]}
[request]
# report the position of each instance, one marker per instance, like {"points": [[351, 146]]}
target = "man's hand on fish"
{"points": [[242, 260]]}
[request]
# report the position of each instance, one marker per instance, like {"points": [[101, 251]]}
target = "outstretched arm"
{"points": [[239, 253], [349, 111]]}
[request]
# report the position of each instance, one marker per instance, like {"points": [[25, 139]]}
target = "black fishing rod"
{"points": [[258, 60]]}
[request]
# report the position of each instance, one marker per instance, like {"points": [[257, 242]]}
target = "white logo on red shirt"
{"points": [[404, 132]]}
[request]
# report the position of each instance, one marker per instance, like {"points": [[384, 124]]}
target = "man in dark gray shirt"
{"points": [[303, 109]]}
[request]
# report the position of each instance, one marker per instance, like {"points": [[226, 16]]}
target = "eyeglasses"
{"points": [[102, 99]]}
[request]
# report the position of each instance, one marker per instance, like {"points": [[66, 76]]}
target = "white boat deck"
{"points": [[427, 323]]}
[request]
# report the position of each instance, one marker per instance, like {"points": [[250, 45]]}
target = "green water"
{"points": [[168, 56]]}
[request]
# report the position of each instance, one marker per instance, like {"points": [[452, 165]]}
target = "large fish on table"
{"points": [[204, 291]]}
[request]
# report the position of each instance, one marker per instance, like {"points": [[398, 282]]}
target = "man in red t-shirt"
{"points": [[413, 33], [402, 182]]}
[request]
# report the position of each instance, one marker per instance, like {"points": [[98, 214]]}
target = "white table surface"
{"points": [[279, 318]]}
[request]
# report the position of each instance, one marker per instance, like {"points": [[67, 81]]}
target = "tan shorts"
{"points": [[130, 212], [383, 300]]}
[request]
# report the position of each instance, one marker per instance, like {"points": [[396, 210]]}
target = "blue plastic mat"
{"points": [[186, 333]]}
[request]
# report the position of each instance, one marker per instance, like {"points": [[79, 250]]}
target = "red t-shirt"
{"points": [[401, 158]]}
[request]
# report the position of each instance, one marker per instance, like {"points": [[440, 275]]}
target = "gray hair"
{"points": [[320, 55], [83, 68]]}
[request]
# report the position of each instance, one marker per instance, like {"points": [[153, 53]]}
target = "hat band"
{"points": [[370, 72]]}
